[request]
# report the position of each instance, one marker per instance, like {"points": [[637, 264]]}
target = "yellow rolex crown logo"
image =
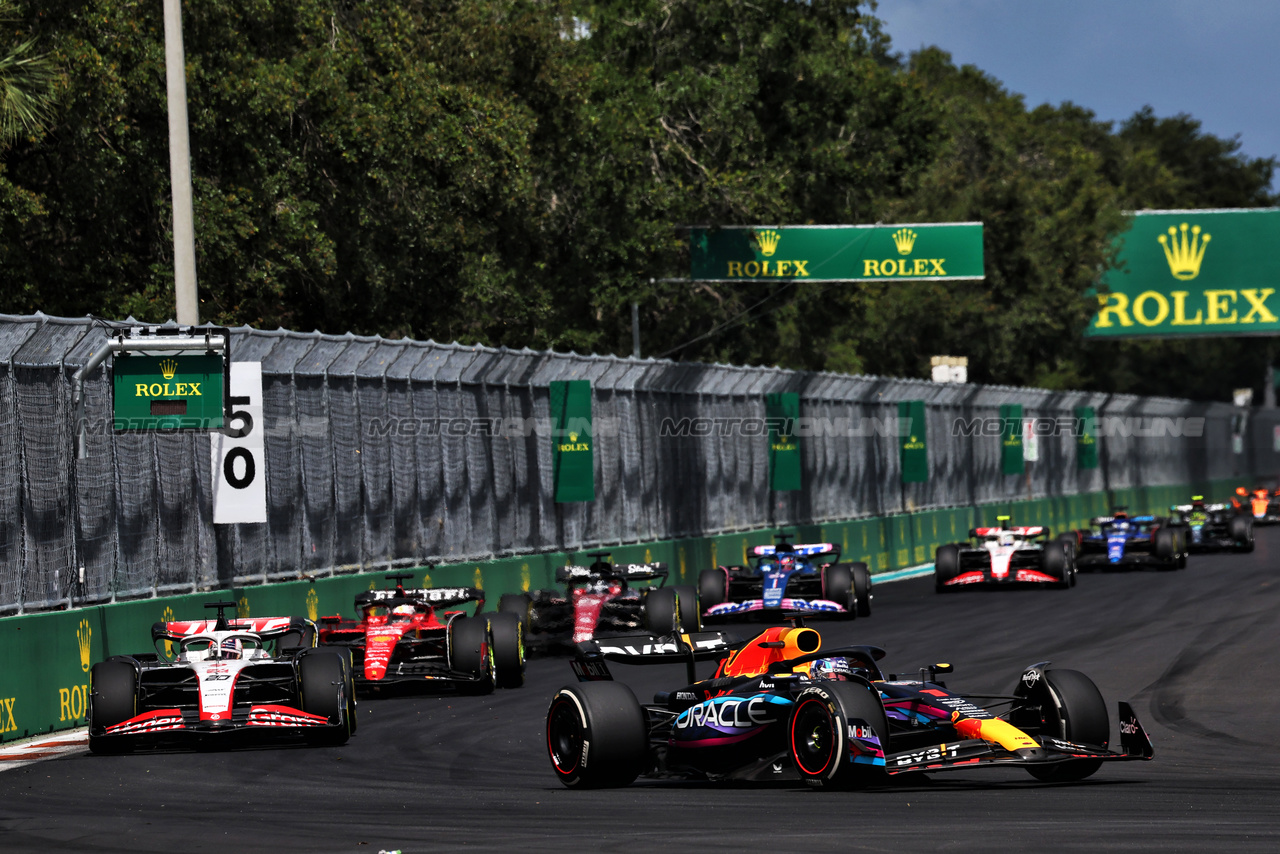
{"points": [[168, 367], [1184, 256], [242, 608], [573, 437], [84, 635], [768, 240], [904, 239]]}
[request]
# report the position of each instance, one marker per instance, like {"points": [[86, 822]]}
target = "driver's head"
{"points": [[1006, 538], [230, 648], [835, 670], [1241, 491], [402, 612]]}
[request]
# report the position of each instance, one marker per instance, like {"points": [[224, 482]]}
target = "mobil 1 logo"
{"points": [[239, 464]]}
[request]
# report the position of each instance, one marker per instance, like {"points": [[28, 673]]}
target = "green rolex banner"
{"points": [[914, 448], [572, 463], [1086, 438], [781, 411], [1011, 459]]}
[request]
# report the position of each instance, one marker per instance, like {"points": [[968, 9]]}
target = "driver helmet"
{"points": [[402, 611], [1241, 491], [835, 670], [1006, 538], [230, 648]]}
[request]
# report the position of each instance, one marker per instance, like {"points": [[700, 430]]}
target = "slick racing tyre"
{"points": [[113, 699], [824, 742], [520, 604], [470, 653], [1165, 546], [713, 587], [862, 587], [1071, 708], [837, 586], [1241, 530], [506, 633], [348, 667], [321, 676], [689, 608], [1070, 540], [596, 735], [946, 566], [661, 611], [1055, 561]]}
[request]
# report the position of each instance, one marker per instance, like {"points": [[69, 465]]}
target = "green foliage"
{"points": [[516, 172]]}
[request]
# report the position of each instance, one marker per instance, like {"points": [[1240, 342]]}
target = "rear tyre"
{"points": [[713, 587], [820, 735], [471, 654], [113, 699], [596, 735], [516, 603], [690, 610], [323, 675], [506, 631], [837, 586], [946, 566], [661, 610], [1165, 546], [862, 587], [1071, 708]]}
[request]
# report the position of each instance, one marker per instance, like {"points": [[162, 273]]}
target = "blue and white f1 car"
{"points": [[1124, 540], [788, 577]]}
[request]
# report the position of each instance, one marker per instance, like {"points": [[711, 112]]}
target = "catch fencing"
{"points": [[384, 453]]}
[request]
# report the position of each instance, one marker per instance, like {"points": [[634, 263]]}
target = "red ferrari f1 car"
{"points": [[407, 636]]}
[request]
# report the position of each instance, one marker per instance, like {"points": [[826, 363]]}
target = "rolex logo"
{"points": [[242, 608], [167, 617], [313, 604], [1184, 256], [573, 437], [84, 635], [904, 239], [768, 240], [168, 367]]}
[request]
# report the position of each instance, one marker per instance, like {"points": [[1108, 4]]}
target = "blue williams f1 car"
{"points": [[780, 707], [788, 577], [1121, 540]]}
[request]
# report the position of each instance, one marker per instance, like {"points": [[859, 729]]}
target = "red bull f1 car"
{"points": [[600, 600], [1213, 527], [214, 683], [408, 637], [788, 577], [1121, 540], [1003, 555], [781, 707]]}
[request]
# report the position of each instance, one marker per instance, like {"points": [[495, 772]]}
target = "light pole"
{"points": [[184, 231]]}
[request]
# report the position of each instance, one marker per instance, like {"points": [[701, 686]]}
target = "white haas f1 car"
{"points": [[223, 687], [1006, 555]]}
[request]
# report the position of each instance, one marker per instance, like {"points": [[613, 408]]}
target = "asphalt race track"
{"points": [[1194, 650]]}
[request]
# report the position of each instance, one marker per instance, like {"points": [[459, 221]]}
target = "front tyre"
{"points": [[946, 566], [829, 736], [322, 677], [113, 699], [506, 632], [596, 735], [1071, 708]]}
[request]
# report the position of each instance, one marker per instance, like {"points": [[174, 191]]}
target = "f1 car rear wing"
{"points": [[799, 549], [266, 628], [683, 648], [622, 571], [436, 597], [1034, 531], [1187, 508]]}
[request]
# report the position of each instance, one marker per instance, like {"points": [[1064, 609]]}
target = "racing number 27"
{"points": [[240, 453]]}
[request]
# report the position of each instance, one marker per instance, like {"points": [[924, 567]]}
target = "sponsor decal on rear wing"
{"points": [[625, 571], [264, 627], [799, 549], [1017, 532], [437, 597]]}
